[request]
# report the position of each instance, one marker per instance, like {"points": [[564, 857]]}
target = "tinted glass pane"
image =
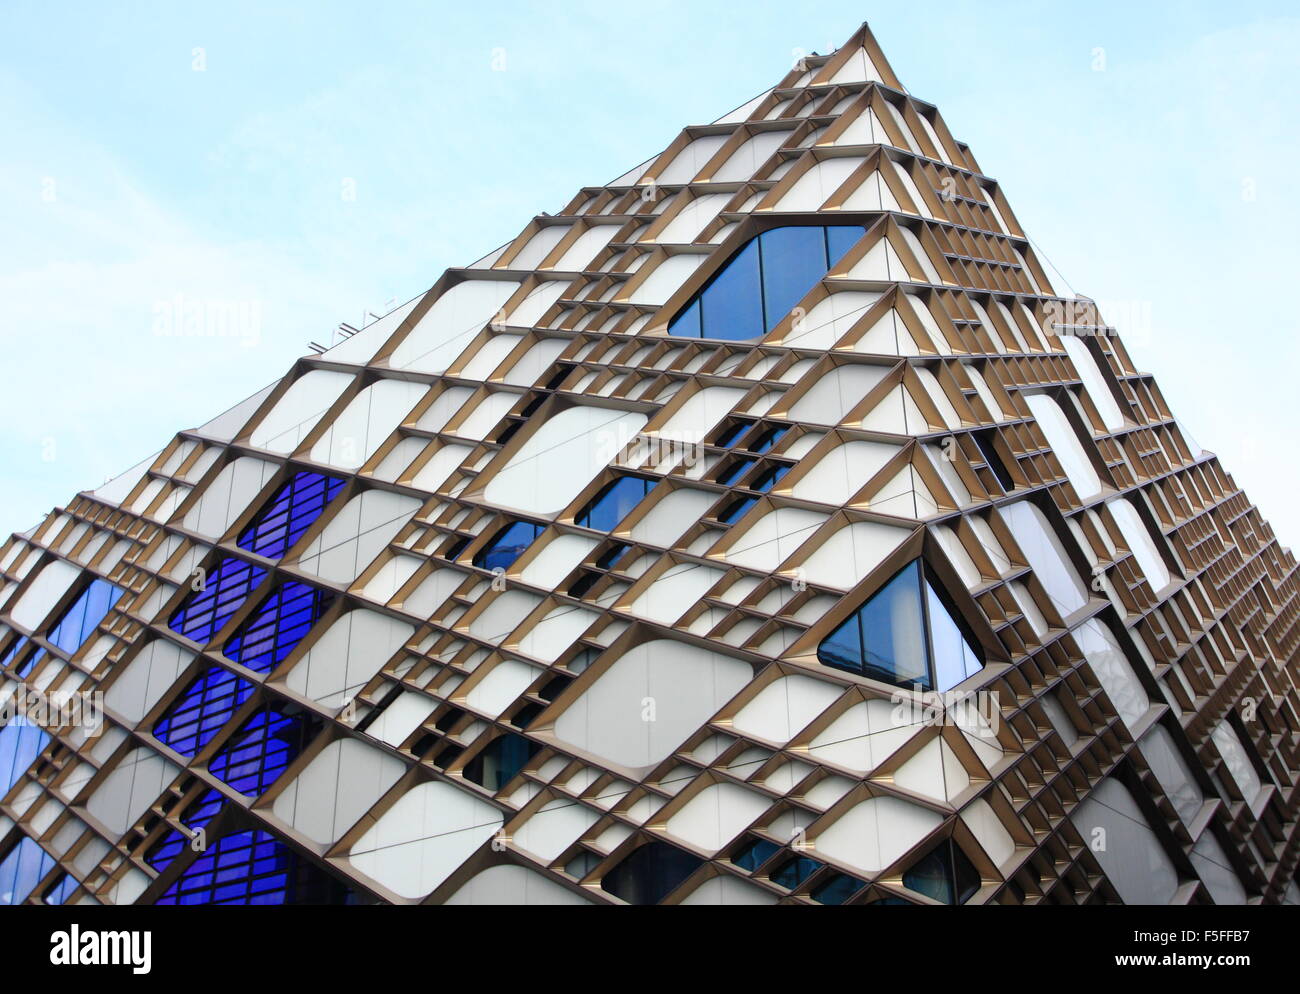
{"points": [[755, 854], [732, 432], [21, 741], [792, 873], [932, 876], [837, 889], [733, 511], [794, 259], [732, 306], [21, 870], [769, 478], [508, 545], [614, 503], [84, 616], [843, 647], [765, 440], [650, 874], [196, 816], [841, 238], [735, 471], [687, 324], [954, 659], [893, 631]]}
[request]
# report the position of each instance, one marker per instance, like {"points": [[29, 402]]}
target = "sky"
{"points": [[276, 168]]}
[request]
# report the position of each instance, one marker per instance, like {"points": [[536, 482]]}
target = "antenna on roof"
{"points": [[318, 348]]}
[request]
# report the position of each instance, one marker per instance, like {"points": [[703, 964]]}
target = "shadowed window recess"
{"points": [[763, 282]]}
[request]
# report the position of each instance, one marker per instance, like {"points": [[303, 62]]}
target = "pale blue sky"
{"points": [[1148, 148]]}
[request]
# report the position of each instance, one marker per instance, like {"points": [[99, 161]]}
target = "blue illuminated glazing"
{"points": [[252, 868], [21, 741], [278, 625], [205, 612], [764, 281], [196, 816], [287, 516], [259, 752], [202, 710]]}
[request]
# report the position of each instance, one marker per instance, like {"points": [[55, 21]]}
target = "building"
{"points": [[764, 526]]}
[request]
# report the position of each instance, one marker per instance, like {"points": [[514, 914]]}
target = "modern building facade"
{"points": [[765, 526]]}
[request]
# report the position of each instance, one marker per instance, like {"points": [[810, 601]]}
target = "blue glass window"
{"points": [[21, 741], [196, 816], [202, 710], [259, 752], [764, 281], [278, 625], [84, 616], [253, 868], [507, 545], [731, 433], [205, 612], [736, 509], [764, 440], [729, 474], [610, 557], [288, 515], [21, 870], [904, 635], [768, 478], [614, 503], [61, 889]]}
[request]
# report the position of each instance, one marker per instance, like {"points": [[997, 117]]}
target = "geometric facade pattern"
{"points": [[764, 526]]}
